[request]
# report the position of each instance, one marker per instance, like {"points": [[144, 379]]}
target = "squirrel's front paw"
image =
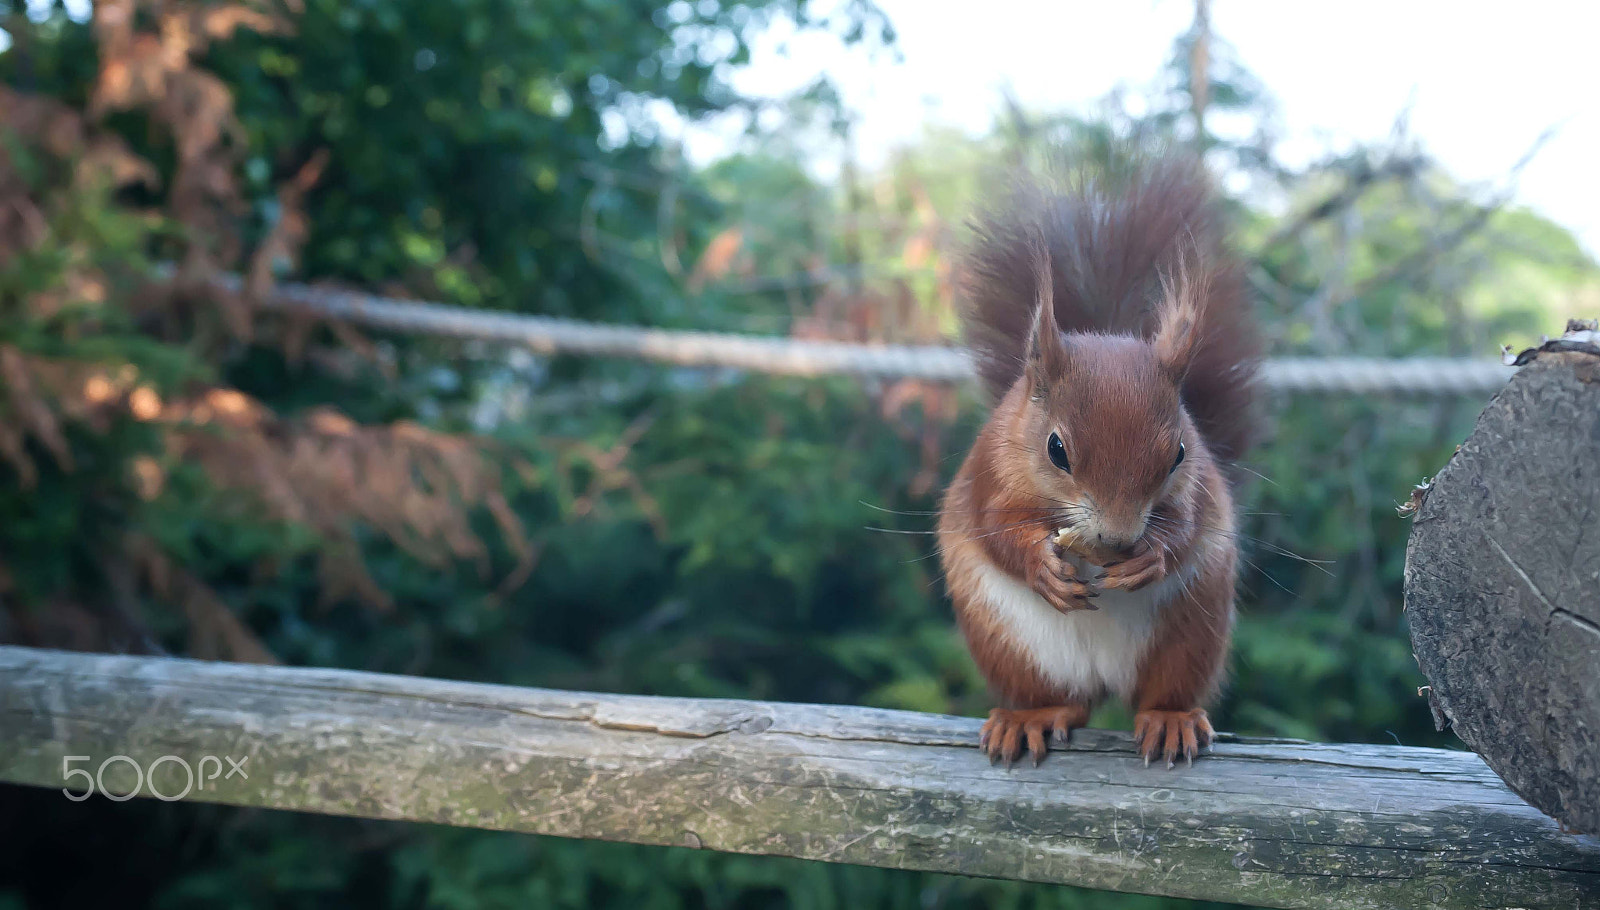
{"points": [[1148, 564], [1057, 581]]}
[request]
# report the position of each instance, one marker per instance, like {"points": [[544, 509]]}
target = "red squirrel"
{"points": [[1088, 540]]}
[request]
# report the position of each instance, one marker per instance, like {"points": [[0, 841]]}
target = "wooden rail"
{"points": [[1273, 823]]}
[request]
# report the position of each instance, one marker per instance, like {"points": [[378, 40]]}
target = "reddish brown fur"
{"points": [[1114, 238], [1017, 682], [1118, 323]]}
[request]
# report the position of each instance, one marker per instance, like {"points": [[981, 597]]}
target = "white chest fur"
{"points": [[1087, 651]]}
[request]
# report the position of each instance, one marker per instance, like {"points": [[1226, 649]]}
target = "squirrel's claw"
{"points": [[1170, 734], [1007, 730]]}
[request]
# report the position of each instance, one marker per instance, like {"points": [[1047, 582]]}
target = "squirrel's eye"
{"points": [[1178, 461], [1058, 453]]}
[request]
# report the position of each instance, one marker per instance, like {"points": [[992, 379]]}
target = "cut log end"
{"points": [[1502, 583]]}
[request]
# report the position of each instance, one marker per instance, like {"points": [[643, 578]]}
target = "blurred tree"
{"points": [[494, 151]]}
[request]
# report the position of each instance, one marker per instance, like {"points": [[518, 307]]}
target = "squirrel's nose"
{"points": [[1117, 539], [1115, 530]]}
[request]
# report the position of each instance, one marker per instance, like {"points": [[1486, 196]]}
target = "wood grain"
{"points": [[1272, 823], [1503, 585]]}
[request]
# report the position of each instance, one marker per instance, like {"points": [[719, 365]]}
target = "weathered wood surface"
{"points": [[1503, 585], [1280, 823]]}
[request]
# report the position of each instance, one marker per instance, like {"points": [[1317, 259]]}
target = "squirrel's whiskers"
{"points": [[1111, 325]]}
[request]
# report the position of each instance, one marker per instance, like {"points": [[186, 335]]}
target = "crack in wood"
{"points": [[1581, 622], [1521, 574]]}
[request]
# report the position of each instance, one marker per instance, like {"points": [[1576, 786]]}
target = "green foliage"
{"points": [[473, 143], [66, 492]]}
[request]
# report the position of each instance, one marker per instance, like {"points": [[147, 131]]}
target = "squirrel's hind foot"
{"points": [[1172, 733], [1007, 729]]}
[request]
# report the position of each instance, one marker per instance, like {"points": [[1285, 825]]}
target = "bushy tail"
{"points": [[1114, 236]]}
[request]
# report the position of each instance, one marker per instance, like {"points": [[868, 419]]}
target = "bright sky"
{"points": [[1483, 80]]}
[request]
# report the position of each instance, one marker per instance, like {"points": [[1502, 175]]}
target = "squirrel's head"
{"points": [[1099, 427]]}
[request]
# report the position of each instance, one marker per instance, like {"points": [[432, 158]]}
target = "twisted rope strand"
{"points": [[1415, 376]]}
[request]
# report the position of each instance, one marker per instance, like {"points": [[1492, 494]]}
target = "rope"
{"points": [[1421, 376], [1427, 376]]}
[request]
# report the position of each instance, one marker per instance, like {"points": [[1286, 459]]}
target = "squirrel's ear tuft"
{"points": [[1047, 352], [1178, 328]]}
